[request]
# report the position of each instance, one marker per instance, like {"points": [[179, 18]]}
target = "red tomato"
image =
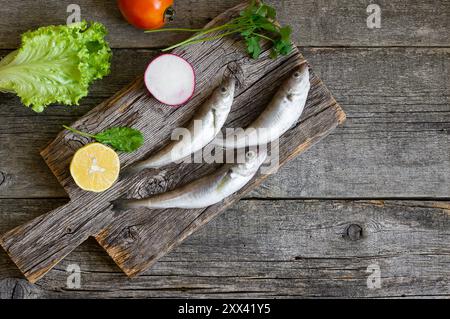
{"points": [[147, 14]]}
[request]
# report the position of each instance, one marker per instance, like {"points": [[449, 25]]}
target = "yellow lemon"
{"points": [[95, 167]]}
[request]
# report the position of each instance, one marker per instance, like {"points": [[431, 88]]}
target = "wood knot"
{"points": [[130, 234], [157, 184], [354, 232], [234, 69]]}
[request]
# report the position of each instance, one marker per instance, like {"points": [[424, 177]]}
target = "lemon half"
{"points": [[95, 167]]}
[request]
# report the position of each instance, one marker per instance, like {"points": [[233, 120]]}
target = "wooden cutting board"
{"points": [[136, 240]]}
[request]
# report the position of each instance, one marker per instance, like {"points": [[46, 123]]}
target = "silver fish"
{"points": [[280, 115], [204, 192], [211, 115]]}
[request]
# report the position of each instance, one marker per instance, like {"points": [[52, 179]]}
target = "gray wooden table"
{"points": [[365, 213]]}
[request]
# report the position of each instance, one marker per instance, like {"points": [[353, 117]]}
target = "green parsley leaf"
{"points": [[256, 22], [253, 46], [122, 139]]}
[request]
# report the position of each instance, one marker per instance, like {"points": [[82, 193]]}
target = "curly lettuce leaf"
{"points": [[56, 64]]}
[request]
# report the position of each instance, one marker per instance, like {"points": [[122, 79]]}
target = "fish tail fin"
{"points": [[120, 205]]}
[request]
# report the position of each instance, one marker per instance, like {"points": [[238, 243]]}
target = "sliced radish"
{"points": [[170, 79]]}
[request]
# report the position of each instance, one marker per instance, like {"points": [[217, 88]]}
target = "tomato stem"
{"points": [[169, 14]]}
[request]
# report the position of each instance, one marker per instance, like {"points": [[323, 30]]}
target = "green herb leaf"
{"points": [[285, 33], [267, 11], [273, 54], [268, 26], [122, 139], [271, 12], [282, 46], [253, 46], [250, 10], [256, 22], [248, 32]]}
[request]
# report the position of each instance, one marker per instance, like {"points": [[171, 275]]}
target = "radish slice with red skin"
{"points": [[170, 79]]}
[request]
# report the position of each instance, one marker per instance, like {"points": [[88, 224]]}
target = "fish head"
{"points": [[297, 82], [253, 161], [224, 94]]}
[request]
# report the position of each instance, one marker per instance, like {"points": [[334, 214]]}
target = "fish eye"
{"points": [[250, 155]]}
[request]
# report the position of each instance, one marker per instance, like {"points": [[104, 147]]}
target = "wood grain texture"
{"points": [[396, 109], [266, 248], [315, 23], [135, 241]]}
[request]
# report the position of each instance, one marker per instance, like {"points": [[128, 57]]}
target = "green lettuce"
{"points": [[56, 64]]}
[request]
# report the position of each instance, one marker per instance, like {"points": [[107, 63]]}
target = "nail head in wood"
{"points": [[354, 232]]}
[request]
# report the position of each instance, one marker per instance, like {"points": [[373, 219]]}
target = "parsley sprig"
{"points": [[255, 23], [122, 139]]}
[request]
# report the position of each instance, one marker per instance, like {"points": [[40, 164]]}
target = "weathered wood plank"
{"points": [[267, 249], [395, 143], [315, 23]]}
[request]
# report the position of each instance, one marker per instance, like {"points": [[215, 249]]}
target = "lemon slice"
{"points": [[95, 167]]}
